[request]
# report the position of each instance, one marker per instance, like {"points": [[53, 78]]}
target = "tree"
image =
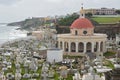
{"points": [[68, 19], [97, 13], [117, 11], [89, 14]]}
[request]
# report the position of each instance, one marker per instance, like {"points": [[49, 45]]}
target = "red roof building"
{"points": [[82, 23]]}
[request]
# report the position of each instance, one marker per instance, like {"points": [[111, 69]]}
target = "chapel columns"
{"points": [[81, 47], [77, 47]]}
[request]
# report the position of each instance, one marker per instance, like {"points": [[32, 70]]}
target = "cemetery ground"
{"points": [[21, 64], [54, 67], [23, 71]]}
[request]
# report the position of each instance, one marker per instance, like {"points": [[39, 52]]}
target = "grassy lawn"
{"points": [[109, 64], [72, 57], [109, 53], [106, 19], [69, 77]]}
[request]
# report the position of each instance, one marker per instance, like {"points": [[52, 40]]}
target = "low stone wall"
{"points": [[110, 29]]}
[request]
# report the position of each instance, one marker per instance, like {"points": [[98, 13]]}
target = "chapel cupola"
{"points": [[82, 26]]}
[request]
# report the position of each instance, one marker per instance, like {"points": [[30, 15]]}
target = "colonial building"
{"points": [[82, 38], [102, 11], [38, 34]]}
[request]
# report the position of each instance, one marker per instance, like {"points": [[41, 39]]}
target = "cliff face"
{"points": [[15, 23], [28, 23]]}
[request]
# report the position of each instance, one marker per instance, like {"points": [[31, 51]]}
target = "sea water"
{"points": [[8, 33]]}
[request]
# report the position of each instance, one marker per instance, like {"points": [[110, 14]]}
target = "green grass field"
{"points": [[106, 19]]}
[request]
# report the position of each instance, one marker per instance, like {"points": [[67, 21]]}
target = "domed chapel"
{"points": [[82, 38]]}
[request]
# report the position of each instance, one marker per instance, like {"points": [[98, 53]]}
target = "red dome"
{"points": [[82, 23]]}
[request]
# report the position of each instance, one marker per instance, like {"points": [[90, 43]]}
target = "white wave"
{"points": [[9, 33]]}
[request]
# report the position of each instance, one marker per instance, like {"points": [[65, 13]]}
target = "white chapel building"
{"points": [[82, 38]]}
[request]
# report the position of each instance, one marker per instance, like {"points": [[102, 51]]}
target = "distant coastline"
{"points": [[28, 24]]}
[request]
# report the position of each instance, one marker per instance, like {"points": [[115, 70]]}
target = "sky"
{"points": [[17, 10]]}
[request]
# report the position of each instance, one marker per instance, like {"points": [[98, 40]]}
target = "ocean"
{"points": [[8, 33]]}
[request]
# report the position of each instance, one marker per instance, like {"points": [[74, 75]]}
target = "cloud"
{"points": [[8, 2], [15, 10]]}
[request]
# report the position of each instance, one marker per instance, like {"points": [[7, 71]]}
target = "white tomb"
{"points": [[54, 55]]}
